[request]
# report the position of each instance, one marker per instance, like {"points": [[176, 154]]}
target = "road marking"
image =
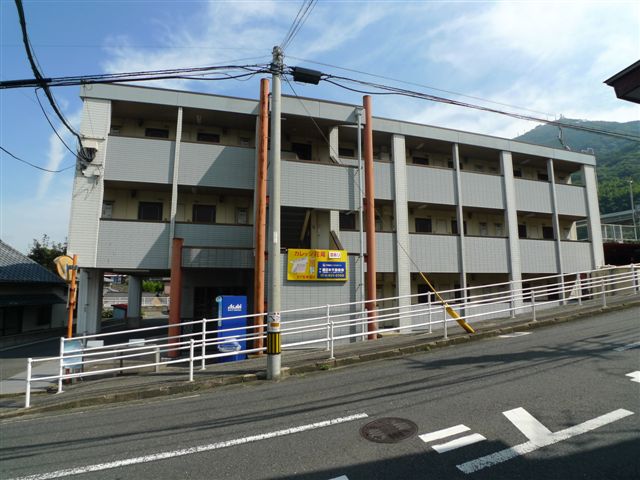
{"points": [[635, 376], [627, 347], [447, 432], [459, 442], [188, 451], [528, 425], [514, 334], [530, 446], [341, 477]]}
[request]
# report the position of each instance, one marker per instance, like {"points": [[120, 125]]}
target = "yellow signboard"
{"points": [[317, 265]]}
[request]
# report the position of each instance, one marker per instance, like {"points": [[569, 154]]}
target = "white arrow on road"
{"points": [[635, 376], [539, 436]]}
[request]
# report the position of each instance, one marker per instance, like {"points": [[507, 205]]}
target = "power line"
{"points": [[388, 90], [33, 164], [36, 72], [415, 84], [301, 17], [51, 124]]}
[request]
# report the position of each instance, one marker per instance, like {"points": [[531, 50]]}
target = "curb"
{"points": [[314, 366]]}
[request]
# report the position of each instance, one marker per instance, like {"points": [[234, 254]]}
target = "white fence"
{"points": [[619, 233], [326, 326], [145, 301]]}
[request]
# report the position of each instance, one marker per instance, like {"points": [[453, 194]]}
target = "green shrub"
{"points": [[152, 286]]}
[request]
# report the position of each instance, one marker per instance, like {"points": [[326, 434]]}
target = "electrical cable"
{"points": [[450, 92], [388, 90], [51, 124], [33, 164], [301, 17]]}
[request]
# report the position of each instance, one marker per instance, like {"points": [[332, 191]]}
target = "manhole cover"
{"points": [[389, 430]]}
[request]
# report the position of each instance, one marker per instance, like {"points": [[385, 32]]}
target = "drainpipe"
{"points": [[372, 326], [361, 208]]}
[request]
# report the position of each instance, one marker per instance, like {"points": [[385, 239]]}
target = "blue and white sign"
{"points": [[232, 306], [332, 270]]}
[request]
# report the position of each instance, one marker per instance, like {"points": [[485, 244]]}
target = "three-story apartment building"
{"points": [[467, 209]]}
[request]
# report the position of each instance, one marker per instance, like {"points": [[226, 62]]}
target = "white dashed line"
{"points": [[459, 443], [447, 432], [514, 335], [635, 376]]}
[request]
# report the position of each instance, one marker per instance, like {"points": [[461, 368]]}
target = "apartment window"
{"points": [[499, 229], [115, 130], [347, 221], [522, 231], [454, 227], [156, 132], [302, 150], [107, 209], [543, 176], [346, 152], [150, 211], [517, 173], [421, 160], [208, 137], [547, 233], [479, 168], [450, 163], [242, 216], [204, 214], [484, 229], [423, 225]]}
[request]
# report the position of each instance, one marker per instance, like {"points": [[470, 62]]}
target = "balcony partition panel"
{"points": [[532, 196], [139, 160], [213, 257], [430, 185], [434, 253], [487, 254], [538, 256], [576, 256], [571, 200], [483, 191], [318, 186], [205, 235], [217, 166], [133, 244]]}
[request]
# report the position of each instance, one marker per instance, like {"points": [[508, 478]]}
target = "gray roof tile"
{"points": [[17, 268]]}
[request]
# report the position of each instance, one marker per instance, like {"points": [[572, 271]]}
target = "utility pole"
{"points": [[273, 322]]}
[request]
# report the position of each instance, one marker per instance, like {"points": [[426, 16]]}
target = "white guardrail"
{"points": [[324, 326], [151, 301]]}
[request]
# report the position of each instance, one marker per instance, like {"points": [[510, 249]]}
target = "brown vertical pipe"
{"points": [[261, 214], [176, 294], [370, 219], [72, 296]]}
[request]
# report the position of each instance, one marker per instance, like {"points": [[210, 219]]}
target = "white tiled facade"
{"points": [[180, 164]]}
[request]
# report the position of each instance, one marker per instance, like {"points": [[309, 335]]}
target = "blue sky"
{"points": [[547, 57]]}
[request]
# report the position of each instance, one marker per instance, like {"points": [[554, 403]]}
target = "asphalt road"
{"points": [[557, 403]]}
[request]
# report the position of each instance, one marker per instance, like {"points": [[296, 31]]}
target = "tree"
{"points": [[44, 251]]}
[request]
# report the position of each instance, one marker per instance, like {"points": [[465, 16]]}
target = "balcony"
{"points": [[318, 186], [214, 257], [576, 256], [385, 248], [430, 185], [487, 254], [571, 200], [434, 253], [139, 160], [482, 190], [133, 244], [208, 235], [220, 166], [538, 256], [533, 196]]}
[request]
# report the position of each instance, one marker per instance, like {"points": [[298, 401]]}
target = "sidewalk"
{"points": [[174, 379]]}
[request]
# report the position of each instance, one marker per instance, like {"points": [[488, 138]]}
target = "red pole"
{"points": [[72, 297], [261, 213], [370, 220], [176, 294]]}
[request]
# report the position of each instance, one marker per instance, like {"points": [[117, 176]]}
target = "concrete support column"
{"points": [[403, 264], [455, 155], [511, 222], [134, 301], [557, 233], [174, 185], [333, 144], [593, 215], [89, 302]]}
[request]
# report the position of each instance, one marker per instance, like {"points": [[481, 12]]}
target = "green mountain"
{"points": [[618, 159]]}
